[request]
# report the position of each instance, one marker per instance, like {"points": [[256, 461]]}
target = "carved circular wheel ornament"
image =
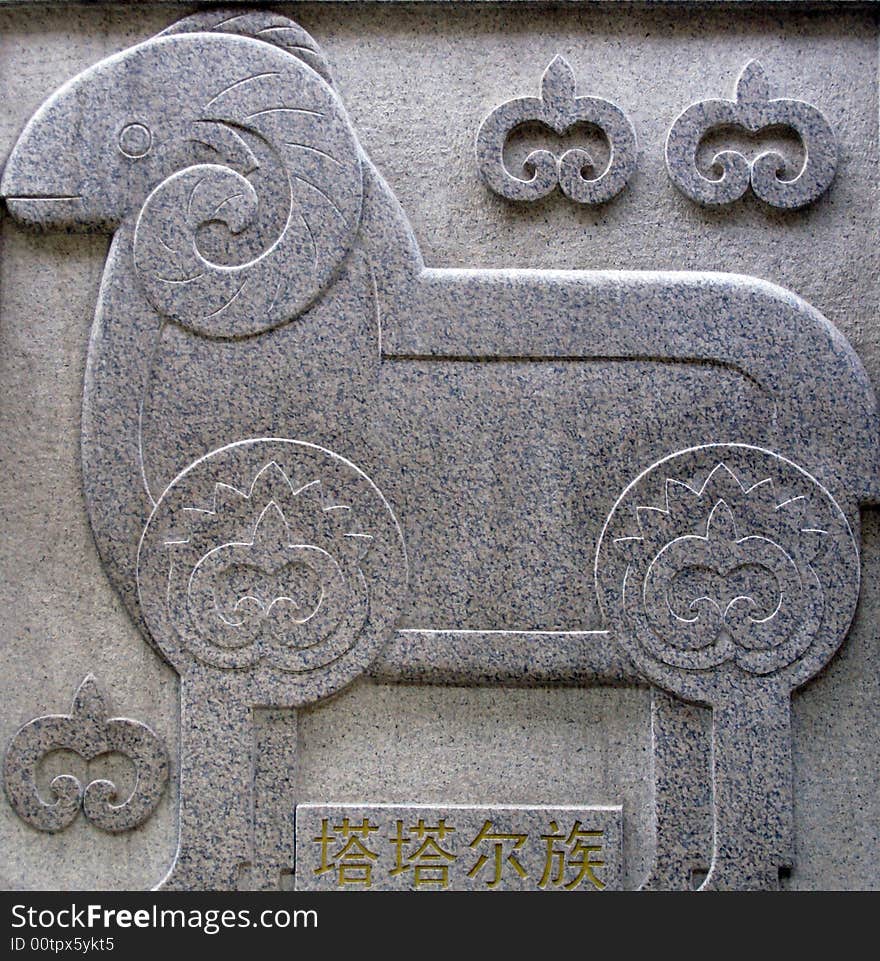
{"points": [[727, 562], [274, 558]]}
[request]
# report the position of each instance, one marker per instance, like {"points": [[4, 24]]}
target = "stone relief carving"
{"points": [[731, 577], [223, 419], [90, 732], [768, 174], [574, 172]]}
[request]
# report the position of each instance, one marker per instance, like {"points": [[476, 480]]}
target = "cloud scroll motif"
{"points": [[754, 112], [559, 109], [90, 733]]}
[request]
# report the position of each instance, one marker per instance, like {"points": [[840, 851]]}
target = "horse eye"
{"points": [[135, 140]]}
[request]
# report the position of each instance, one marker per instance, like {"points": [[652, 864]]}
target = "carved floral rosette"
{"points": [[89, 732], [725, 562], [275, 558]]}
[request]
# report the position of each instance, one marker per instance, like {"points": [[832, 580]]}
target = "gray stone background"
{"points": [[417, 80]]}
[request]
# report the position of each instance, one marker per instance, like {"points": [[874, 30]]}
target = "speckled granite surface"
{"points": [[376, 465]]}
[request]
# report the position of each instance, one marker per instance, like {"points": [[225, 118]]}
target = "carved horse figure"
{"points": [[301, 448]]}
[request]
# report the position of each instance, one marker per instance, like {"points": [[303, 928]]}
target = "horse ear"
{"points": [[247, 241], [258, 25]]}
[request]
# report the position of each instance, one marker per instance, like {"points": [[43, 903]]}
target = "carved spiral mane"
{"points": [[247, 240]]}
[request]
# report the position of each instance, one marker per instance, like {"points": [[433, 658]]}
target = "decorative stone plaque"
{"points": [[369, 484], [419, 847]]}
